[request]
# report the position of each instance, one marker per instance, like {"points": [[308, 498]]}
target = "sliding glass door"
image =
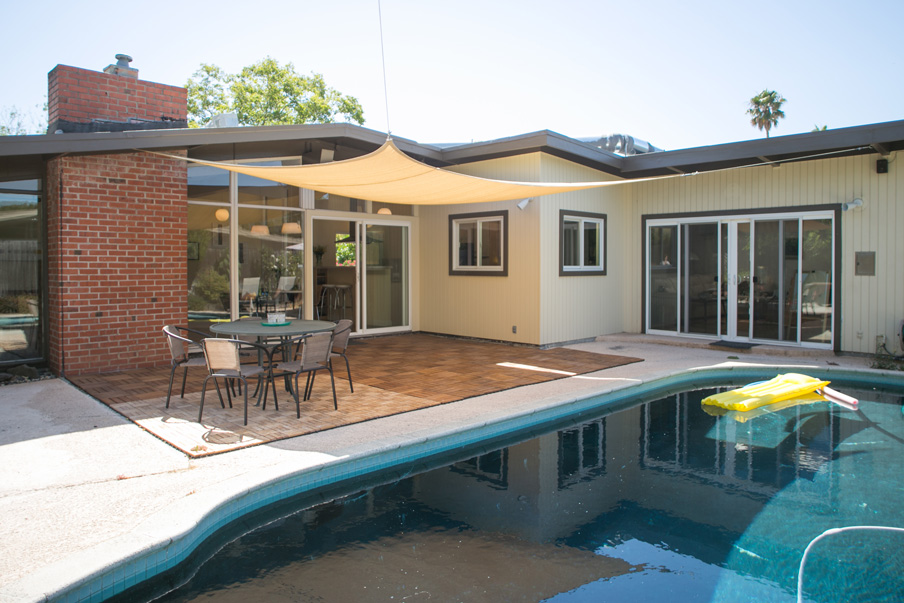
{"points": [[384, 277], [742, 279], [362, 273]]}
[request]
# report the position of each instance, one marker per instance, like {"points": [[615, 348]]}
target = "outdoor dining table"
{"points": [[255, 327], [263, 330]]}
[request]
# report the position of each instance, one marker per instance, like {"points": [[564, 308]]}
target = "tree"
{"points": [[15, 122], [267, 93], [765, 110], [818, 128]]}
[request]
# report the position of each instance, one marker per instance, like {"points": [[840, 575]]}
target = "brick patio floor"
{"points": [[391, 375]]}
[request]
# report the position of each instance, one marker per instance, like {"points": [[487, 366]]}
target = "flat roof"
{"points": [[22, 154]]}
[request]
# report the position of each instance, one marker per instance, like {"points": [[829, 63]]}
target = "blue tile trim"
{"points": [[125, 574]]}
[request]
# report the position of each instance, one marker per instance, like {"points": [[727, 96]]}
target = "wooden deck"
{"points": [[391, 375]]}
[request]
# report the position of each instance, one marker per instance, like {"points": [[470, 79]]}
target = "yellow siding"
{"points": [[483, 306], [871, 306], [545, 307], [579, 307]]}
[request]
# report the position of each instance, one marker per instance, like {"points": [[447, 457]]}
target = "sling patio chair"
{"points": [[285, 293], [223, 359], [308, 354], [184, 352], [340, 346]]}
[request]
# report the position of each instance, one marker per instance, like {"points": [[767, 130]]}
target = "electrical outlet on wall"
{"points": [[514, 329]]}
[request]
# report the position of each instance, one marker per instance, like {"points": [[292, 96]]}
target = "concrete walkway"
{"points": [[82, 487]]}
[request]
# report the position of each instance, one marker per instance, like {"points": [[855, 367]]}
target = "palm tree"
{"points": [[766, 109]]}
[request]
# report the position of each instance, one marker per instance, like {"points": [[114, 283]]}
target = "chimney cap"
{"points": [[122, 67]]}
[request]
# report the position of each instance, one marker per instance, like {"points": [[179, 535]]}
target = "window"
{"points": [[478, 244], [582, 243]]}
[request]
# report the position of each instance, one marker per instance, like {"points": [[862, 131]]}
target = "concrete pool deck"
{"points": [[83, 488]]}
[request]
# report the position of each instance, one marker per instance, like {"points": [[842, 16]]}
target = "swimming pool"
{"points": [[656, 500]]}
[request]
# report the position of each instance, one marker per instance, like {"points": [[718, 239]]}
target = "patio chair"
{"points": [[222, 357], [181, 348], [340, 346], [309, 354]]}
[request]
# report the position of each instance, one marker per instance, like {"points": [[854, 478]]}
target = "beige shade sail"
{"points": [[388, 175]]}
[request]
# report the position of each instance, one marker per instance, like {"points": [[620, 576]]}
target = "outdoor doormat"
{"points": [[734, 345]]}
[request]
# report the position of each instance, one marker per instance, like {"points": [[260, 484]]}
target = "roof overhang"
{"points": [[26, 154], [875, 138]]}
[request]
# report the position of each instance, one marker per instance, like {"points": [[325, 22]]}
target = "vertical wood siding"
{"points": [[483, 306], [579, 307], [871, 305]]}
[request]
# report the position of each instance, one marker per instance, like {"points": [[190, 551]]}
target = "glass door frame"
{"points": [[734, 260], [360, 222], [732, 278], [361, 276]]}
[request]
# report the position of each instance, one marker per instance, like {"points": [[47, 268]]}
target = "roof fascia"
{"points": [[887, 136], [193, 138], [544, 141]]}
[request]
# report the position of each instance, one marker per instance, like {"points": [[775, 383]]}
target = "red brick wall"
{"points": [[117, 230], [81, 95]]}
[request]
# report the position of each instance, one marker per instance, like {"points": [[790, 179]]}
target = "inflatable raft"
{"points": [[778, 389]]}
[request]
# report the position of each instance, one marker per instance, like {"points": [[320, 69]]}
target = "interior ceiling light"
{"points": [[385, 211], [291, 228], [222, 215], [260, 229]]}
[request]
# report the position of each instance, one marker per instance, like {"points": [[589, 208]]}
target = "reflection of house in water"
{"points": [[664, 458]]}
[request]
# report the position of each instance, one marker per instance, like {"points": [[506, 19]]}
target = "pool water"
{"points": [[658, 501]]}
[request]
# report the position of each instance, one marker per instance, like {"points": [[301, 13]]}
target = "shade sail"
{"points": [[388, 175]]}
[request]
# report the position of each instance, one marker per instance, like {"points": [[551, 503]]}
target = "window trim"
{"points": [[583, 216], [486, 216]]}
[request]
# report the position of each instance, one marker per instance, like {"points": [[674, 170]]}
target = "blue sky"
{"points": [[677, 74]]}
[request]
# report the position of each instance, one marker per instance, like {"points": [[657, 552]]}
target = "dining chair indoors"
{"points": [[340, 346], [309, 354], [223, 359], [185, 352]]}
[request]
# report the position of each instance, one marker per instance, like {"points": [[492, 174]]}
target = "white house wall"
{"points": [[542, 307], [579, 307], [487, 307], [871, 306]]}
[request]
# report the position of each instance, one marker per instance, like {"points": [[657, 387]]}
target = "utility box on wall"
{"points": [[865, 263]]}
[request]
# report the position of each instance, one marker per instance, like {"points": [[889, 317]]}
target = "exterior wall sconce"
{"points": [[222, 215], [291, 228], [855, 204], [523, 203], [260, 229]]}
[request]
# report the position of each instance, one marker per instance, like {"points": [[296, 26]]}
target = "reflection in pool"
{"points": [[661, 500]]}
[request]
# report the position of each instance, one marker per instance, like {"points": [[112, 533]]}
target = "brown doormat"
{"points": [[446, 369]]}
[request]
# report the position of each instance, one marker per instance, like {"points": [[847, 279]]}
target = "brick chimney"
{"points": [[80, 100]]}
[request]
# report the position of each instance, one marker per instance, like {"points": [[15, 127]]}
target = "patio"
{"points": [[391, 375]]}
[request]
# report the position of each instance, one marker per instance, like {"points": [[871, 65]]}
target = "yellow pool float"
{"points": [[777, 389]]}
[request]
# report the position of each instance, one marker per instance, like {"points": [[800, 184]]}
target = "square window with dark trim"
{"points": [[478, 244], [582, 243]]}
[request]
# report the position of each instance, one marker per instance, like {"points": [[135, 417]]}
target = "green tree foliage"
{"points": [[15, 122], [267, 93], [765, 110], [208, 92]]}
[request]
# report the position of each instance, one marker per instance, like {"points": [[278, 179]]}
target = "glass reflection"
{"points": [[21, 256]]}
